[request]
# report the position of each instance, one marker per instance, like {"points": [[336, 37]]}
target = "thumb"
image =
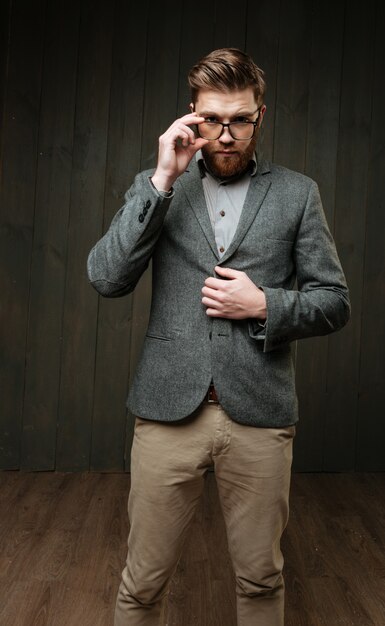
{"points": [[227, 272], [198, 144]]}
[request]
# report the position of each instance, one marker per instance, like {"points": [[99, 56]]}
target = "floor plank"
{"points": [[63, 544]]}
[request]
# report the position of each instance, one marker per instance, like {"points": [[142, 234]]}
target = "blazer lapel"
{"points": [[192, 185], [259, 186]]}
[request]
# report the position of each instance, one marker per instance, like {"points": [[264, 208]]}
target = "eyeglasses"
{"points": [[241, 131]]}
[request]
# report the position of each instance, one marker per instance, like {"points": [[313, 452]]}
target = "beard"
{"points": [[231, 166]]}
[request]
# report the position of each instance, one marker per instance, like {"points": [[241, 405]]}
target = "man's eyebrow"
{"points": [[209, 114], [244, 113], [237, 114]]}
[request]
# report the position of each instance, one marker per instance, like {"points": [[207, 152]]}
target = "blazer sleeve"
{"points": [[320, 304], [116, 263]]}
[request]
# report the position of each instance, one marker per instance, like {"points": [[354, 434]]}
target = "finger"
{"points": [[180, 131], [192, 118], [187, 121], [183, 138], [216, 283], [186, 129], [214, 294], [199, 143], [227, 272], [192, 149], [214, 304], [215, 313]]}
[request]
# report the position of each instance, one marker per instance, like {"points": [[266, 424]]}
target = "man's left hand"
{"points": [[234, 296]]}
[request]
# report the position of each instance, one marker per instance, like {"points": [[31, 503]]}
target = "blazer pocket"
{"points": [[288, 242], [158, 337]]}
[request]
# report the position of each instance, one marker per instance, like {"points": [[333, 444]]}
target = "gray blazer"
{"points": [[283, 244]]}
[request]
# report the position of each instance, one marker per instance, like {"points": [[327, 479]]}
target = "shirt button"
{"points": [[223, 213], [221, 249]]}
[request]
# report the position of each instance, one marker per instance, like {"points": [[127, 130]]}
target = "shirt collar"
{"points": [[253, 165]]}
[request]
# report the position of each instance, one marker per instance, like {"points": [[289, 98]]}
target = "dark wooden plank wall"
{"points": [[86, 88]]}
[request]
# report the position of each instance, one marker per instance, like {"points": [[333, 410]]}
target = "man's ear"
{"points": [[261, 115], [191, 107]]}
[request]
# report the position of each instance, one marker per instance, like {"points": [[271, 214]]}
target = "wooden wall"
{"points": [[86, 88]]}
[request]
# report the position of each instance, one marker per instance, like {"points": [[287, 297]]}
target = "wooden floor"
{"points": [[63, 544]]}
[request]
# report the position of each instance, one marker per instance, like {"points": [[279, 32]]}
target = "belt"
{"points": [[211, 395]]}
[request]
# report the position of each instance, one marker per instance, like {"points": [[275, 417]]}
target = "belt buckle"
{"points": [[211, 395]]}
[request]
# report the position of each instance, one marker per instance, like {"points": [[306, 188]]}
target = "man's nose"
{"points": [[225, 136]]}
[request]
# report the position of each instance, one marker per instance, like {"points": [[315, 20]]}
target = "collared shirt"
{"points": [[224, 201]]}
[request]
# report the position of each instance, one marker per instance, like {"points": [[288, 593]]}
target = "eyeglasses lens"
{"points": [[238, 130]]}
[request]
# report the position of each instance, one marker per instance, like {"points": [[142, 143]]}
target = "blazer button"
{"points": [[141, 217], [145, 211], [148, 204]]}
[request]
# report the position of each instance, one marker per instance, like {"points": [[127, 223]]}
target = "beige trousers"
{"points": [[252, 469]]}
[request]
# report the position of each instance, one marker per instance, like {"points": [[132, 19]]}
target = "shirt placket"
{"points": [[223, 220]]}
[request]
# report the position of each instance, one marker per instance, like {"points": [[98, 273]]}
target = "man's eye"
{"points": [[211, 120], [241, 120]]}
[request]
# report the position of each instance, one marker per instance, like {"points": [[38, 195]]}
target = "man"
{"points": [[228, 236]]}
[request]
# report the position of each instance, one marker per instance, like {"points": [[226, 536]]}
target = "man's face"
{"points": [[226, 157]]}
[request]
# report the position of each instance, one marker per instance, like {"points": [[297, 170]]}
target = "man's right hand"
{"points": [[177, 146]]}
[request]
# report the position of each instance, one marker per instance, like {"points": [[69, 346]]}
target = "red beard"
{"points": [[228, 166]]}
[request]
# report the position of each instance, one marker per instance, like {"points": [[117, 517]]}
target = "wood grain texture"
{"points": [[320, 164], [293, 73], [160, 110], [85, 91], [5, 28], [262, 43], [371, 401], [86, 211], [125, 131], [349, 231], [230, 24], [63, 545], [17, 205], [49, 252]]}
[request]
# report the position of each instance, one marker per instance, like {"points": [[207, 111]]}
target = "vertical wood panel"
{"points": [[65, 355], [321, 160], [160, 110], [350, 217], [230, 25], [293, 84], [193, 48], [123, 160], [86, 210], [53, 182], [263, 24], [17, 197], [371, 423], [5, 16], [292, 89]]}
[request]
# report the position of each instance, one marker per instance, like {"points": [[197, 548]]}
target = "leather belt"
{"points": [[211, 395]]}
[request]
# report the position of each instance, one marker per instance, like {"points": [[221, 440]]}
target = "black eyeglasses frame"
{"points": [[228, 125]]}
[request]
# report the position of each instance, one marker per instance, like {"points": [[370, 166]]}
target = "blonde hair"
{"points": [[227, 69]]}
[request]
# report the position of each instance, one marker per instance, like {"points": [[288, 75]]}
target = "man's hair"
{"points": [[227, 69]]}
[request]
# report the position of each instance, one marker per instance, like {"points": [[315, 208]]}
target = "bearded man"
{"points": [[243, 265]]}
